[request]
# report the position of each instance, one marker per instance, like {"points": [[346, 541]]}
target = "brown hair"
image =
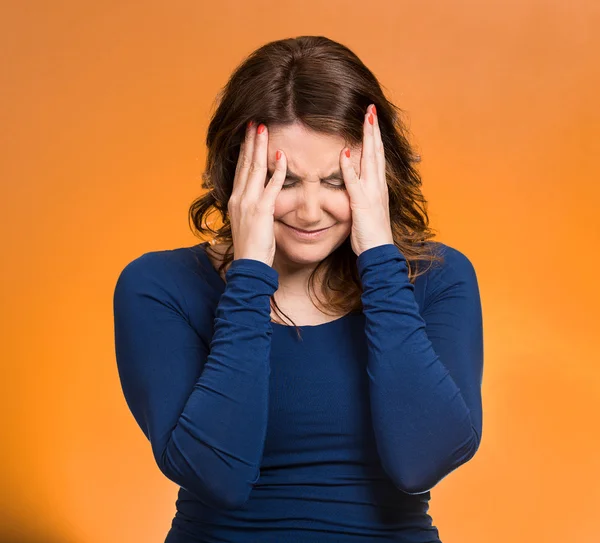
{"points": [[325, 86]]}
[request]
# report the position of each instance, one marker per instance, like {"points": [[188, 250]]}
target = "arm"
{"points": [[203, 409], [425, 371]]}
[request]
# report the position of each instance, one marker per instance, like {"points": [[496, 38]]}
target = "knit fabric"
{"points": [[337, 436]]}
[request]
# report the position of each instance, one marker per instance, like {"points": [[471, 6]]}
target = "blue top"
{"points": [[339, 436]]}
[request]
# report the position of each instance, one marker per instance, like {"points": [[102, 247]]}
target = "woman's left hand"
{"points": [[369, 199]]}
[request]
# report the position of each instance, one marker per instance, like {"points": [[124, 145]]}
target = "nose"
{"points": [[309, 211]]}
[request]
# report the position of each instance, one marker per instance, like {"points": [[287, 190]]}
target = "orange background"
{"points": [[104, 110]]}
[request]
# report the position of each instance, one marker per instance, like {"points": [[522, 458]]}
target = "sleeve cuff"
{"points": [[376, 255], [254, 268]]}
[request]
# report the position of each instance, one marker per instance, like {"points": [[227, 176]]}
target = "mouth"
{"points": [[307, 234]]}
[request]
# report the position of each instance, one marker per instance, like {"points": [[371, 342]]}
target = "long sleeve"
{"points": [[425, 371], [203, 409]]}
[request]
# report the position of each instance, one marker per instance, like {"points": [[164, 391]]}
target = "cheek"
{"points": [[340, 207], [283, 204], [337, 205]]}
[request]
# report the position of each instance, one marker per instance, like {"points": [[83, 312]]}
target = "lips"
{"points": [[308, 231]]}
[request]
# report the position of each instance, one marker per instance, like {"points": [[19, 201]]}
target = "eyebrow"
{"points": [[295, 177]]}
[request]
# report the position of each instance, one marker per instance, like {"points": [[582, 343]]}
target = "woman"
{"points": [[339, 431]]}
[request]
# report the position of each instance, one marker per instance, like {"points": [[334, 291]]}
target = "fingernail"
{"points": [[374, 110], [250, 123], [370, 118], [278, 154], [347, 153], [261, 128]]}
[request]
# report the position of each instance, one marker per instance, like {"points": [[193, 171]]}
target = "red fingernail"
{"points": [[278, 154], [370, 118], [347, 153], [374, 110], [261, 128], [250, 123]]}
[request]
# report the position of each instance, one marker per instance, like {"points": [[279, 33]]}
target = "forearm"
{"points": [[422, 424]]}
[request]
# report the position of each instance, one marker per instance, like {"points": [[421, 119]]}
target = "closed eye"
{"points": [[295, 179], [341, 186]]}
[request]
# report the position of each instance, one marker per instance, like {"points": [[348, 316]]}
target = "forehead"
{"points": [[307, 151], [302, 136]]}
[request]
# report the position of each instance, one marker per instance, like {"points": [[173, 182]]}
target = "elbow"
{"points": [[415, 485], [417, 481], [422, 477], [217, 486], [221, 499]]}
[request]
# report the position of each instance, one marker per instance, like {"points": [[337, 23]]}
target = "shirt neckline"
{"points": [[343, 318], [331, 323]]}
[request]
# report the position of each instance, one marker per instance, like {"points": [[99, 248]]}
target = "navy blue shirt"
{"points": [[337, 436]]}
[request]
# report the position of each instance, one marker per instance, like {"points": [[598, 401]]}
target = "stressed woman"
{"points": [[313, 370]]}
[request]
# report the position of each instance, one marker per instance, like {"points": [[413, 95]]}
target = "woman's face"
{"points": [[310, 202]]}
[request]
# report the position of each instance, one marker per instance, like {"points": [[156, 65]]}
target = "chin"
{"points": [[313, 251]]}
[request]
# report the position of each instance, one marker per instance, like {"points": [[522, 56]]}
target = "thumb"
{"points": [[351, 180], [274, 185]]}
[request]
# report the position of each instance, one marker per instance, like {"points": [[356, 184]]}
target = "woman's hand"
{"points": [[252, 204], [369, 199]]}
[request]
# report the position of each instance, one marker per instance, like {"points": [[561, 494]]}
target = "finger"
{"points": [[274, 184], [378, 147], [368, 167], [351, 179], [244, 159], [258, 168]]}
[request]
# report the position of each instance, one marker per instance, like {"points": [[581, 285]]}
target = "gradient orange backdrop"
{"points": [[104, 110]]}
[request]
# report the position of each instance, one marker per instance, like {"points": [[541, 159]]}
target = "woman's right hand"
{"points": [[252, 204]]}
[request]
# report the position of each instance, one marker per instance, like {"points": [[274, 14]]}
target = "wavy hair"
{"points": [[326, 87]]}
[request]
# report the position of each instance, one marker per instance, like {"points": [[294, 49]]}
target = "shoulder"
{"points": [[150, 276], [454, 262], [180, 260], [456, 270], [177, 279], [157, 264], [162, 271]]}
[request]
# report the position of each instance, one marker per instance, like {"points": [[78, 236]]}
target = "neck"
{"points": [[293, 277]]}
